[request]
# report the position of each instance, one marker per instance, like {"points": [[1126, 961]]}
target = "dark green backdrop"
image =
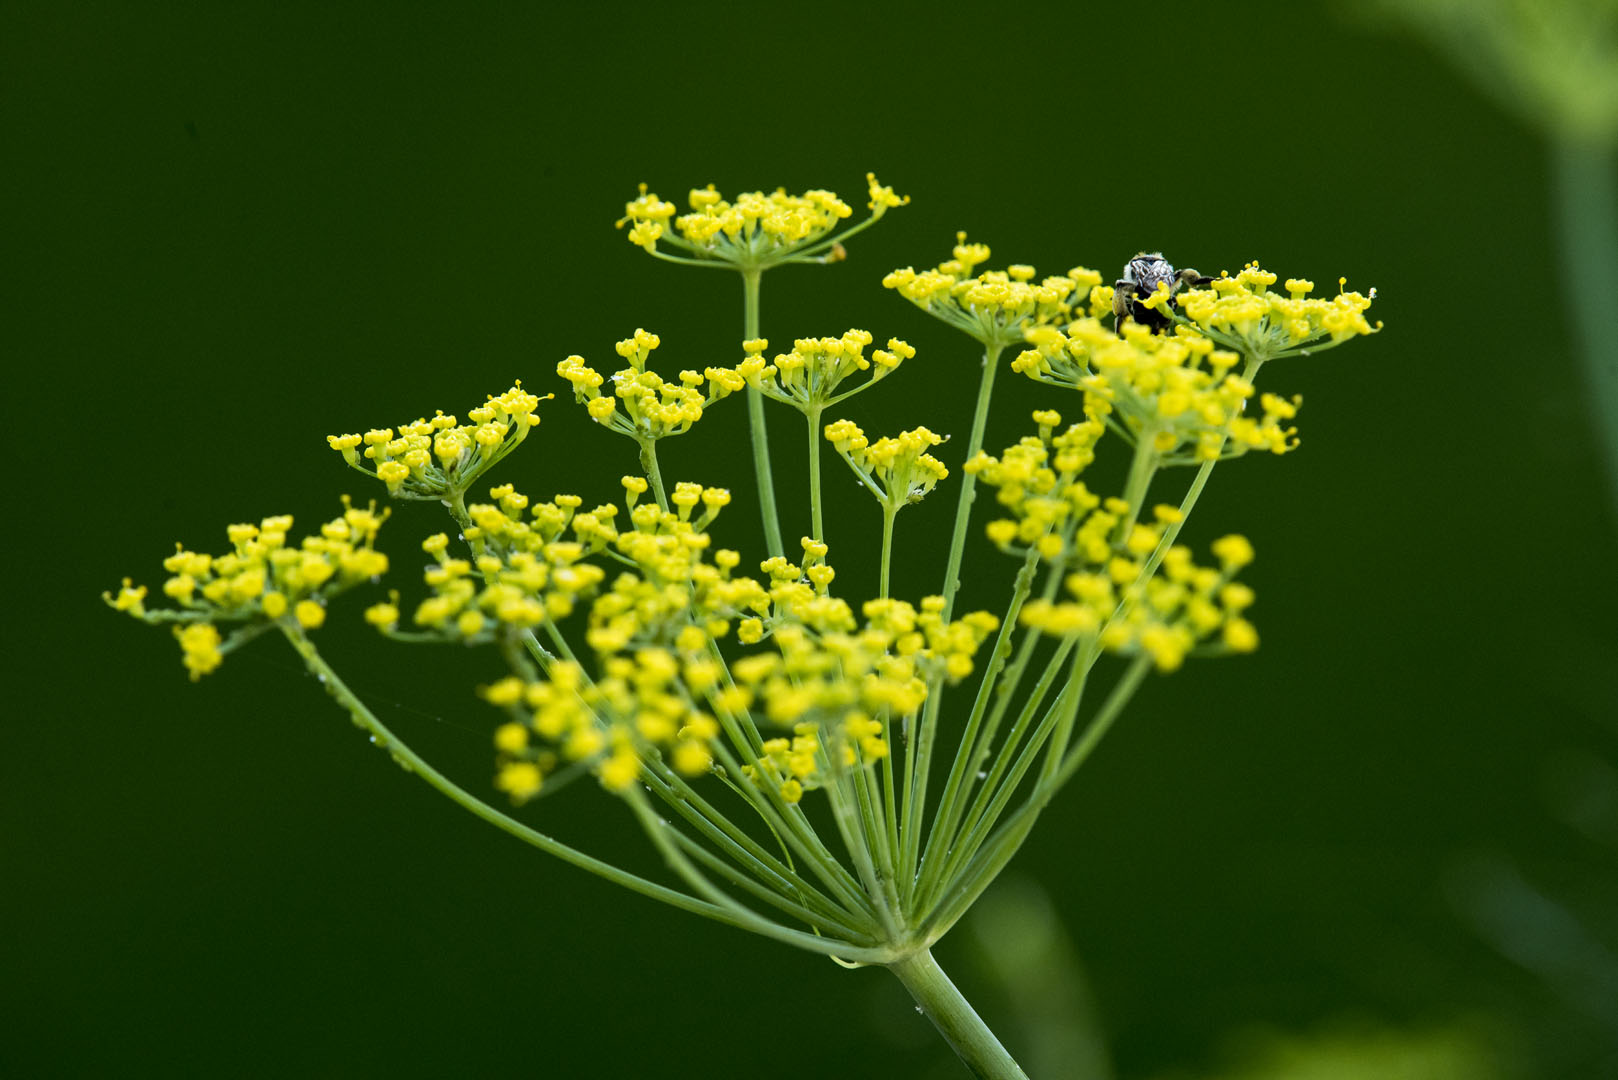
{"points": [[229, 234]]}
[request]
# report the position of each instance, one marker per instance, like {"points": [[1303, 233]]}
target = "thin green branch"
{"points": [[951, 799], [741, 848], [711, 264], [1000, 847], [660, 834], [817, 528], [960, 851], [888, 514], [963, 505], [408, 759], [756, 423]]}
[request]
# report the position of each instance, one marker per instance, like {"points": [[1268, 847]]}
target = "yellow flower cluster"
{"points": [[1178, 390], [642, 405], [1163, 617], [529, 568], [641, 706], [673, 585], [432, 459], [1037, 481], [896, 469], [519, 589], [839, 690], [260, 579], [1242, 313], [756, 230], [655, 631], [807, 378], [663, 702], [997, 306]]}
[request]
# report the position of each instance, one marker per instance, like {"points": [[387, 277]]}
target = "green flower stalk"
{"points": [[998, 308], [809, 377], [776, 740], [642, 404], [897, 470]]}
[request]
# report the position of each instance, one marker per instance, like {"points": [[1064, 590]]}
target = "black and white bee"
{"points": [[1142, 275]]}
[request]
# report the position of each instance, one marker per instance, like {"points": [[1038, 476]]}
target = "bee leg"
{"points": [[1123, 292]]}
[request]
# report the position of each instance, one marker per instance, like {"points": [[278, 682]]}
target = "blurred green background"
{"points": [[232, 232]]}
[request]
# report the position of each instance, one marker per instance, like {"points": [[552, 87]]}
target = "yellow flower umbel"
{"points": [[997, 306], [1177, 390], [1121, 608], [713, 703], [897, 470], [755, 231], [441, 458], [1243, 314], [259, 583], [662, 696], [641, 404], [808, 377], [1037, 481], [751, 235]]}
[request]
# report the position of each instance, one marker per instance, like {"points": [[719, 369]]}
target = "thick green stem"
{"points": [[955, 1018], [818, 530], [755, 419], [963, 506], [1587, 216]]}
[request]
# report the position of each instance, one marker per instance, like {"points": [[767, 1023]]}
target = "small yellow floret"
{"points": [[692, 758], [519, 779], [1233, 551], [1240, 635]]}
